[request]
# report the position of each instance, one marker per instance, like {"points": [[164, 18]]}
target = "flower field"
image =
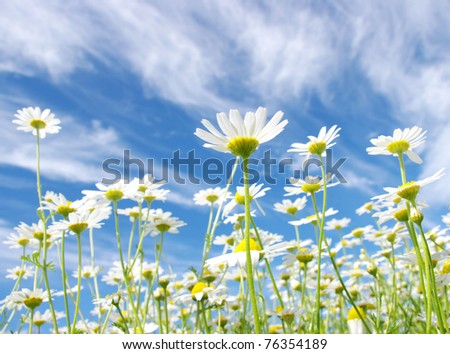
{"points": [[390, 276]]}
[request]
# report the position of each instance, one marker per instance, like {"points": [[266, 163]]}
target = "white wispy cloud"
{"points": [[206, 54]]}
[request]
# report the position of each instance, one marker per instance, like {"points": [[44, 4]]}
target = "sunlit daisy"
{"points": [[401, 142], [58, 204], [30, 298], [290, 207], [87, 272], [238, 256], [256, 191], [32, 119], [410, 190], [80, 221], [337, 224], [24, 272], [308, 185], [312, 219], [162, 222], [211, 195], [241, 136], [317, 145], [113, 192]]}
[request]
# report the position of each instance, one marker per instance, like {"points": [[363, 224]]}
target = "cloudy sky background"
{"points": [[142, 76]]}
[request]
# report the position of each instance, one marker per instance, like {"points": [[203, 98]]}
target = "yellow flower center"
{"points": [[243, 146], [32, 302], [398, 147], [317, 148], [78, 228], [240, 199], [446, 268], [401, 215], [198, 288], [163, 227], [114, 195], [65, 210], [292, 210], [409, 191], [212, 198], [304, 255], [142, 188], [358, 232], [39, 323], [241, 247], [353, 314], [134, 214], [38, 124], [23, 241], [149, 198], [368, 206], [230, 241], [311, 187]]}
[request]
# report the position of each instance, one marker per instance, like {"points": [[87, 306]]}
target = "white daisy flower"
{"points": [[211, 196], [239, 256], [409, 190], [58, 204], [367, 208], [241, 136], [237, 217], [113, 192], [402, 141], [39, 319], [443, 277], [80, 221], [308, 185], [312, 219], [16, 272], [87, 272], [32, 119], [256, 191], [290, 207], [355, 325], [19, 240], [162, 222], [30, 298], [107, 301], [317, 145], [337, 224]]}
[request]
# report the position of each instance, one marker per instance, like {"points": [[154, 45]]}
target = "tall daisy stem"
{"points": [[45, 246], [250, 279], [77, 304]]}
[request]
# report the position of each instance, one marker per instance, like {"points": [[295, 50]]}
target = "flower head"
{"points": [[317, 145], [410, 190], [401, 142], [30, 298], [290, 207], [33, 120], [241, 136], [211, 196]]}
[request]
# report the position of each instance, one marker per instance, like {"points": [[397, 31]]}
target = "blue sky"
{"points": [[142, 76]]}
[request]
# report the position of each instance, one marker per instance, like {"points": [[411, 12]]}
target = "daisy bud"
{"points": [[164, 281], [401, 215], [372, 269], [416, 216]]}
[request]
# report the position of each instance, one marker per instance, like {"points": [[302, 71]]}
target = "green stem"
{"points": [[250, 280], [77, 304], [64, 280]]}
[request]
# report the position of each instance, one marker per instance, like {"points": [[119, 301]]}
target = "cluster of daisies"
{"points": [[331, 274]]}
